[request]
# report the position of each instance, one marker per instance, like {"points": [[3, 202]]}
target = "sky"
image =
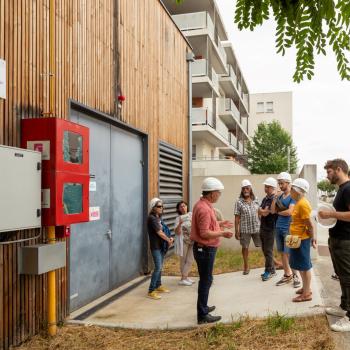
{"points": [[321, 107]]}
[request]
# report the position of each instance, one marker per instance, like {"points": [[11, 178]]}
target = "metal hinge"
{"points": [[38, 166]]}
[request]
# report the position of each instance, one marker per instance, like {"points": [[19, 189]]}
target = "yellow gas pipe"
{"points": [[51, 295]]}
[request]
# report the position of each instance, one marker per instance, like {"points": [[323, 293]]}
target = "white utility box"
{"points": [[20, 189]]}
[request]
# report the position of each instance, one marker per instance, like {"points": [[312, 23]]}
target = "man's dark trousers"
{"points": [[205, 257], [340, 254], [267, 241]]}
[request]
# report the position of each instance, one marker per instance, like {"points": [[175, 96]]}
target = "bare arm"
{"points": [[264, 212], [237, 228], [311, 231], [339, 215], [162, 235], [287, 212], [178, 228], [273, 206]]}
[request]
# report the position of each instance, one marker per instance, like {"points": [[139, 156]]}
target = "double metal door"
{"points": [[108, 251]]}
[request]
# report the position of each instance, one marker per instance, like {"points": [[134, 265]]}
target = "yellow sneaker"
{"points": [[154, 295], [162, 289]]}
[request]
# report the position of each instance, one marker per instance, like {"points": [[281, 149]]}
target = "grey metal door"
{"points": [[90, 242], [108, 252], [127, 204]]}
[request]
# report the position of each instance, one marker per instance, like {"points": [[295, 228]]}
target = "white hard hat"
{"points": [[270, 181], [212, 184], [152, 203], [301, 184], [284, 176], [246, 183]]}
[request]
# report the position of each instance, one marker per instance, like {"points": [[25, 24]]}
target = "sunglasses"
{"points": [[159, 206]]}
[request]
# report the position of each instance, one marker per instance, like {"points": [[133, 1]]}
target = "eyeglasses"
{"points": [[159, 206]]}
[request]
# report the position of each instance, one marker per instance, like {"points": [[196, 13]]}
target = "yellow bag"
{"points": [[292, 241]]}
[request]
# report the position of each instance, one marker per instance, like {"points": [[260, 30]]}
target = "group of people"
{"points": [[283, 216]]}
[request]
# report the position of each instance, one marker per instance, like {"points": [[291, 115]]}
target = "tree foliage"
{"points": [[309, 25], [268, 150], [326, 186]]}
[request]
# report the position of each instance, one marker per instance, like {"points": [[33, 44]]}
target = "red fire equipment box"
{"points": [[65, 175]]}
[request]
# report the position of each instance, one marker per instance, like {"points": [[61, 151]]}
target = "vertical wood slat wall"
{"points": [[153, 77], [84, 72]]}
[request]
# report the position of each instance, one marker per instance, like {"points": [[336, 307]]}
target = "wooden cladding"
{"points": [[154, 79], [97, 47]]}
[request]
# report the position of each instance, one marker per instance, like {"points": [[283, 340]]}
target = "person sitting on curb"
{"points": [[283, 205], [302, 227], [247, 223], [159, 242], [339, 239], [183, 243], [267, 228], [206, 232]]}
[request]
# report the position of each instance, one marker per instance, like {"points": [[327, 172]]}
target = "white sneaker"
{"points": [[335, 311], [342, 325], [191, 281], [185, 283]]}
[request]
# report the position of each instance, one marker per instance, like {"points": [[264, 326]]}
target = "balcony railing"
{"points": [[221, 128], [202, 116], [221, 50], [215, 79], [240, 147], [232, 139], [194, 21], [200, 67], [231, 74], [246, 101], [227, 105]]}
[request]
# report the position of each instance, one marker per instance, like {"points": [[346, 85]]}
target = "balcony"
{"points": [[229, 82], [204, 80], [196, 26], [240, 147], [228, 112], [205, 128]]}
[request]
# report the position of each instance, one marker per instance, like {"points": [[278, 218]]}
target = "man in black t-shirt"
{"points": [[267, 227], [339, 239]]}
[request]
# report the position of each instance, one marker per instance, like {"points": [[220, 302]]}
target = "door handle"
{"points": [[109, 234]]}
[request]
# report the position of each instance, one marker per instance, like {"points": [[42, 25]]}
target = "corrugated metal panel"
{"points": [[170, 181]]}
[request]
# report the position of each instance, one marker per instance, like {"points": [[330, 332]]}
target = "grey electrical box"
{"points": [[41, 258], [20, 189]]}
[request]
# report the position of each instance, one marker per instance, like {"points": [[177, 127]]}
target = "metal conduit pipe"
{"points": [[190, 59]]}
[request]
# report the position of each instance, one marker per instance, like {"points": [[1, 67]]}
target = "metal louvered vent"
{"points": [[170, 181]]}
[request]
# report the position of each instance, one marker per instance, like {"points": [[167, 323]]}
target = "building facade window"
{"points": [[269, 107], [260, 107]]}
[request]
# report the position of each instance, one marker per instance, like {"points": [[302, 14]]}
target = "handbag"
{"points": [[292, 241]]}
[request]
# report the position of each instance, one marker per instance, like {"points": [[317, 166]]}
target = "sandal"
{"points": [[302, 298], [246, 272]]}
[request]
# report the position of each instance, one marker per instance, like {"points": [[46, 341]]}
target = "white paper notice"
{"points": [[94, 213], [92, 187], [40, 146], [2, 79]]}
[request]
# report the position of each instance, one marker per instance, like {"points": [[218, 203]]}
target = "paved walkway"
{"points": [[233, 294]]}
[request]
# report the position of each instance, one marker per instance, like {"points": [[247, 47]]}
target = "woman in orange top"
{"points": [[301, 226]]}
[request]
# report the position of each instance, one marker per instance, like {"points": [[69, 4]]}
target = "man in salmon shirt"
{"points": [[206, 232]]}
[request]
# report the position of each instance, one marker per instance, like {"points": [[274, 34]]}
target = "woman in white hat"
{"points": [[157, 239], [302, 227], [247, 223]]}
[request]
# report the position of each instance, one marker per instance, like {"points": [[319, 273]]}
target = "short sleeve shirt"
{"points": [[301, 212], [267, 222], [248, 213], [283, 222], [185, 226], [342, 203], [153, 226]]}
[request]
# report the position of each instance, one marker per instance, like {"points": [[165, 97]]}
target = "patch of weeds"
{"points": [[277, 323]]}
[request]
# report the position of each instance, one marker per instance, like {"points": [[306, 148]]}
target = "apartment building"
{"points": [[266, 107], [220, 97]]}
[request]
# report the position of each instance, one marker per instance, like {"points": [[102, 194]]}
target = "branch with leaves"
{"points": [[308, 25]]}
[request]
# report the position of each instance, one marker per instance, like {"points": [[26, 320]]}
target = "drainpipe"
{"points": [[51, 278], [189, 59]]}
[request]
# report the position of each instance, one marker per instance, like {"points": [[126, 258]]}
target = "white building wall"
{"points": [[282, 110]]}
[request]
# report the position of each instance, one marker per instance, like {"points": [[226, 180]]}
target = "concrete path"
{"points": [[233, 294]]}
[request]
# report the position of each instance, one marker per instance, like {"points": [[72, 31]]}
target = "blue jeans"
{"points": [[205, 257], [158, 258]]}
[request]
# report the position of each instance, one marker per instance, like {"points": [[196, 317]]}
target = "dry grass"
{"points": [[227, 260], [277, 332]]}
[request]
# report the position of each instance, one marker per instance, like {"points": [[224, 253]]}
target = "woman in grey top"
{"points": [[247, 223]]}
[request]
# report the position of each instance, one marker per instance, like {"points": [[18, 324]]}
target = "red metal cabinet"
{"points": [[65, 174]]}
